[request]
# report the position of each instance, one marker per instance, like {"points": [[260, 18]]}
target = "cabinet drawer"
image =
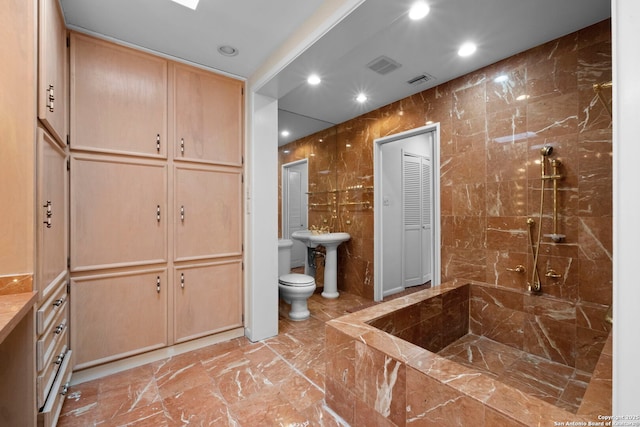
{"points": [[50, 308], [48, 375], [48, 416], [48, 342]]}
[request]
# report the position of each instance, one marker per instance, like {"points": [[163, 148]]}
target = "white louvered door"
{"points": [[416, 201]]}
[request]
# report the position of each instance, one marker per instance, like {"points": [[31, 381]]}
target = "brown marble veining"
{"points": [[476, 379], [490, 136], [16, 284]]}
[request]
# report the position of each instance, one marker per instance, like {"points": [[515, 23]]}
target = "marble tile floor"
{"points": [[558, 384], [275, 382]]}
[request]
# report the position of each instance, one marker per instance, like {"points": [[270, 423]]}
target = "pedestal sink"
{"points": [[330, 241]]}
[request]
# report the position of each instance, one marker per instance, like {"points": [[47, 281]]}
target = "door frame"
{"points": [[377, 203]]}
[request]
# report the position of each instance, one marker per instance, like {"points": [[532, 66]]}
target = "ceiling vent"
{"points": [[418, 80], [383, 65]]}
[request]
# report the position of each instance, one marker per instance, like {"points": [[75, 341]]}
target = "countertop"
{"points": [[12, 310]]}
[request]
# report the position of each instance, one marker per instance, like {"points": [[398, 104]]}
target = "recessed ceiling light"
{"points": [[191, 4], [313, 79], [285, 133], [361, 98], [418, 10], [467, 49], [227, 50]]}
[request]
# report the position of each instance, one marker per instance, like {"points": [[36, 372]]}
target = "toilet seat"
{"points": [[296, 280]]}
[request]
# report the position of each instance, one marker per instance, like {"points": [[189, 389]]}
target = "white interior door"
{"points": [[416, 198], [295, 205]]}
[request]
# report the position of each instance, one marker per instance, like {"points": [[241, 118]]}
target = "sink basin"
{"points": [[330, 241], [327, 239], [304, 236], [313, 240]]}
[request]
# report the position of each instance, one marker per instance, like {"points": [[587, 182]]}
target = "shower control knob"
{"points": [[519, 269]]}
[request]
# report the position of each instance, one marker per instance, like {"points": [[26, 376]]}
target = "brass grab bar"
{"points": [[354, 203]]}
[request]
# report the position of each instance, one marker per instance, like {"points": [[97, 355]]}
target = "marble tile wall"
{"points": [[432, 323], [490, 137], [16, 284]]}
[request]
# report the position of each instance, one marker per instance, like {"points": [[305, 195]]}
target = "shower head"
{"points": [[546, 150]]}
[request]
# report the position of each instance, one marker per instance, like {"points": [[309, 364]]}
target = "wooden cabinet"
{"points": [[52, 215], [141, 213], [118, 212], [118, 99], [208, 205], [118, 315], [207, 298], [52, 244], [207, 113], [52, 69]]}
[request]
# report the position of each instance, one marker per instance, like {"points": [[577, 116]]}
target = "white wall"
{"points": [[626, 207], [261, 182], [261, 237]]}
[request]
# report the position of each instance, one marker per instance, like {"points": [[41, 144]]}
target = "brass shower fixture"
{"points": [[546, 151], [535, 285]]}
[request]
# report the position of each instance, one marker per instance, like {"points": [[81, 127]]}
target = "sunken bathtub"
{"points": [[467, 353]]}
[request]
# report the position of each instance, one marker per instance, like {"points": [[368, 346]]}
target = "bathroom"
{"points": [[484, 224], [489, 188]]}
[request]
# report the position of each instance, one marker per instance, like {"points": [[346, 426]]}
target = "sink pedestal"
{"points": [[331, 272]]}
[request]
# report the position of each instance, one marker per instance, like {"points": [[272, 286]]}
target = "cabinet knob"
{"points": [[158, 284], [182, 213], [158, 143], [158, 213], [182, 146], [182, 280]]}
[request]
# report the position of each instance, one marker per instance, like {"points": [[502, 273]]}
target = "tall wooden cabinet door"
{"points": [[208, 212], [208, 299], [208, 116], [52, 69], [118, 212], [118, 99], [118, 315], [52, 230]]}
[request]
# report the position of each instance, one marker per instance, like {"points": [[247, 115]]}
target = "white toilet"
{"points": [[294, 288]]}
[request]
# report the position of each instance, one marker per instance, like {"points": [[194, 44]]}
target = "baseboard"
{"points": [[114, 367]]}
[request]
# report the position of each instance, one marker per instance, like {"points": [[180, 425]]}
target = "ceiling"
{"points": [[500, 28]]}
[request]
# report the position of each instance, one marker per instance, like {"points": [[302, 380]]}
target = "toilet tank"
{"points": [[284, 256]]}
